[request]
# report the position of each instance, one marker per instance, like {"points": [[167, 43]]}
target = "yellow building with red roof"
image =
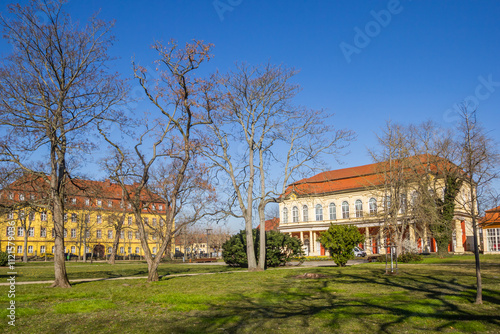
{"points": [[490, 225], [92, 210]]}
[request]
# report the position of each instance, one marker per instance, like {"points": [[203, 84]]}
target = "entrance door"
{"points": [[99, 251]]}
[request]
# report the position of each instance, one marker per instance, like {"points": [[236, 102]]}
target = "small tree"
{"points": [[340, 240], [280, 249]]}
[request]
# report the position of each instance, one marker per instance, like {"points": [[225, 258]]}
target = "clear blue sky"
{"points": [[415, 63]]}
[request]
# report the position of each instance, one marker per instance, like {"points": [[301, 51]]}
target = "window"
{"points": [[73, 232], [154, 250], [137, 235], [129, 250], [121, 204], [305, 213], [493, 235], [122, 250], [43, 216], [110, 234], [153, 206], [20, 232], [403, 203], [32, 196], [87, 202], [53, 233], [162, 222], [154, 236], [373, 206], [345, 210], [295, 214], [319, 212], [87, 234], [110, 204], [387, 203], [333, 211], [87, 218], [87, 249], [31, 232], [43, 232], [414, 198], [99, 219], [146, 220], [53, 249], [160, 207], [73, 249], [98, 234], [31, 216], [122, 235], [130, 235], [99, 202], [129, 220], [136, 250], [65, 233], [359, 208], [42, 249], [65, 217], [129, 206], [73, 217], [10, 215], [154, 221], [73, 200], [19, 249], [30, 249], [21, 198], [285, 215], [11, 196], [110, 249]]}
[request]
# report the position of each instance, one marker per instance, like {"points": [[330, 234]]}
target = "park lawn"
{"points": [[357, 299], [44, 271]]}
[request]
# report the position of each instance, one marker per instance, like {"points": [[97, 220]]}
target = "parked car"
{"points": [[358, 252]]}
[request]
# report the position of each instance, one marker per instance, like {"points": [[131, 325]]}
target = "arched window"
{"points": [[305, 213], [403, 203], [285, 216], [359, 208], [333, 211], [373, 206], [414, 199], [319, 212], [387, 203], [345, 210], [295, 214]]}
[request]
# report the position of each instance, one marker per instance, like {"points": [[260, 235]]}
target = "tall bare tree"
{"points": [[53, 86], [257, 124], [183, 102], [479, 160]]}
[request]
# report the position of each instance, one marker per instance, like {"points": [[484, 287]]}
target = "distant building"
{"points": [[91, 210], [272, 224], [354, 196], [490, 225]]}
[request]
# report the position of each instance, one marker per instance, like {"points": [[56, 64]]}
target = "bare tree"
{"points": [[479, 160], [53, 86], [184, 102], [258, 122]]}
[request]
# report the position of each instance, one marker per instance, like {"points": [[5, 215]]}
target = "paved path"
{"points": [[293, 265]]}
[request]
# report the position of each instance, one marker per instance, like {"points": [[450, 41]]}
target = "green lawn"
{"points": [[358, 299], [44, 271]]}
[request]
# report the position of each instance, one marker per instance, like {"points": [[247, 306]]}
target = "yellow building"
{"points": [[92, 210], [357, 196]]}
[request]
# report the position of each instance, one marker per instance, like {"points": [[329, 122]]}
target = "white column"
{"points": [[367, 241], [313, 240], [302, 237]]}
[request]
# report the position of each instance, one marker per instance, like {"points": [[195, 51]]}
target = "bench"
{"points": [[205, 259]]}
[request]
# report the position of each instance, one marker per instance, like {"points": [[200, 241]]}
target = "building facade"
{"points": [[92, 211], [490, 226], [358, 196]]}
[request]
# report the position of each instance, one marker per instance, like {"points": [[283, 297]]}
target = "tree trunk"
{"points": [[114, 249], [252, 262], [25, 250], [262, 237], [61, 278], [479, 290]]}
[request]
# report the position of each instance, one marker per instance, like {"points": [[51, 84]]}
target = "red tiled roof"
{"points": [[271, 224], [358, 177], [491, 218]]}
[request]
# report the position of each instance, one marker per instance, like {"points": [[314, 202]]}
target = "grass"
{"points": [[357, 299], [44, 271]]}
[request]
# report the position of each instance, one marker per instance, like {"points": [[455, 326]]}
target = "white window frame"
{"points": [[295, 214], [358, 205], [333, 211], [345, 210], [319, 212]]}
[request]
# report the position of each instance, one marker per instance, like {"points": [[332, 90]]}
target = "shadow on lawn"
{"points": [[417, 302]]}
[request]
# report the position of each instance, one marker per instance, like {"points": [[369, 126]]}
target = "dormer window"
{"points": [[21, 197]]}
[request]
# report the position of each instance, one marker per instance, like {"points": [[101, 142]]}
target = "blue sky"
{"points": [[422, 60], [416, 61]]}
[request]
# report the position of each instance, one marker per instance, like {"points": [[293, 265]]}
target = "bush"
{"points": [[280, 249], [410, 257], [4, 259], [340, 240]]}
